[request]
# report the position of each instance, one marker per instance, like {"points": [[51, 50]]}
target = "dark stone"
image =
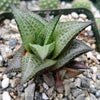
{"points": [[12, 43], [38, 96], [93, 91], [85, 83]]}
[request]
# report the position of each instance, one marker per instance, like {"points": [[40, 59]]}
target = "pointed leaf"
{"points": [[42, 51], [28, 26], [43, 21], [77, 65], [16, 63], [64, 33], [45, 36], [75, 49], [32, 65], [50, 29]]}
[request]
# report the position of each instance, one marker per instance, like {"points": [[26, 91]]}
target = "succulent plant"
{"points": [[81, 3], [4, 4], [49, 4], [48, 45]]}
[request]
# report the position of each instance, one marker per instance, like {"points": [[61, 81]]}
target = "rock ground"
{"points": [[85, 86]]}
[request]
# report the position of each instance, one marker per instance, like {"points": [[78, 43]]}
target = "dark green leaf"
{"points": [[43, 21], [77, 65], [42, 51], [32, 65], [75, 49], [64, 33], [45, 36], [50, 29]]}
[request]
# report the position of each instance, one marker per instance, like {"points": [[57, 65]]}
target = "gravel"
{"points": [[5, 83], [29, 92], [83, 87]]}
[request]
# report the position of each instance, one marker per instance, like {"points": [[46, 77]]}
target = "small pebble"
{"points": [[93, 91], [4, 76], [13, 27], [13, 21], [45, 86], [13, 74], [12, 42], [80, 20], [44, 96], [76, 92], [80, 97], [77, 82], [67, 87], [69, 16], [98, 84], [74, 15], [37, 96], [89, 54], [7, 22], [92, 97], [63, 18], [94, 70], [98, 93], [29, 92], [50, 91], [25, 85], [5, 83], [6, 96], [1, 61], [83, 16], [98, 56], [98, 77], [88, 28], [85, 83], [60, 96]]}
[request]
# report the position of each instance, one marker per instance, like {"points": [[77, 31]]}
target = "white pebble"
{"points": [[1, 75], [44, 96], [74, 15], [80, 19], [1, 58], [63, 3], [88, 28], [98, 56], [4, 76], [45, 86], [83, 16], [69, 16], [94, 70], [13, 27], [92, 86], [7, 22], [89, 54], [5, 83], [63, 18], [6, 96], [13, 21]]}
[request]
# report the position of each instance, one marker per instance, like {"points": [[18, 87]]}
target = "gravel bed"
{"points": [[85, 86]]}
